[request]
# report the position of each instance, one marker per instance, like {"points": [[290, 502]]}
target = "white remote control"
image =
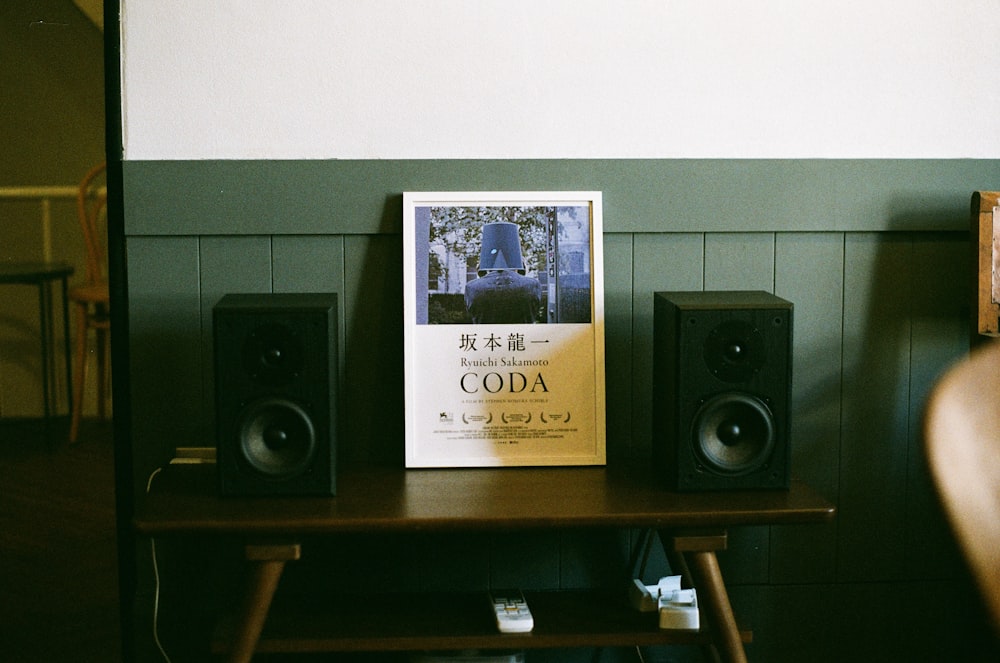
{"points": [[511, 611]]}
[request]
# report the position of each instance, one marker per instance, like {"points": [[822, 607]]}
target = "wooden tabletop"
{"points": [[185, 499]]}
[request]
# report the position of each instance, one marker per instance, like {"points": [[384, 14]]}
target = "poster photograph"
{"points": [[504, 329]]}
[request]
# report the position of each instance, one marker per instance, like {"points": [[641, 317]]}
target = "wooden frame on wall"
{"points": [[986, 242]]}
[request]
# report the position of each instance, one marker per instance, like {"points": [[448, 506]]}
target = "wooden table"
{"points": [[692, 528]]}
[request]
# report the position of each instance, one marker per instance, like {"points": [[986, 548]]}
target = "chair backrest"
{"points": [[962, 437], [91, 208]]}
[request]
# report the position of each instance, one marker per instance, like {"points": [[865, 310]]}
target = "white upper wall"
{"points": [[381, 79]]}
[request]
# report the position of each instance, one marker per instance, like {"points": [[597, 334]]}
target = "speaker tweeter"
{"points": [[275, 393], [721, 390]]}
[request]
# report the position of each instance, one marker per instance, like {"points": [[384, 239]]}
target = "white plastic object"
{"points": [[679, 610], [511, 612]]}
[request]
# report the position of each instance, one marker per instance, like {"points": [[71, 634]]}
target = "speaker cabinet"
{"points": [[275, 393], [721, 390]]}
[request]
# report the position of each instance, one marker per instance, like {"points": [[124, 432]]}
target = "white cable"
{"points": [[156, 582], [156, 603]]}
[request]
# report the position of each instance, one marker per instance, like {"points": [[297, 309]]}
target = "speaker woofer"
{"points": [[734, 434], [277, 438]]}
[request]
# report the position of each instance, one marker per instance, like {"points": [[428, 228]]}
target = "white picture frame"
{"points": [[503, 329]]}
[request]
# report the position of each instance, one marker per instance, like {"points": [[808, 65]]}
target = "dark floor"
{"points": [[58, 568]]}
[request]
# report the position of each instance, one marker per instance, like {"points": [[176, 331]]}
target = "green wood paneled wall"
{"points": [[640, 195], [874, 256]]}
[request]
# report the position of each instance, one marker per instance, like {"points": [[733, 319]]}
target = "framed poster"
{"points": [[504, 329]]}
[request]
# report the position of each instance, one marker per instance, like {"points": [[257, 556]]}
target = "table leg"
{"points": [[695, 552], [267, 564], [708, 579], [45, 331], [66, 349]]}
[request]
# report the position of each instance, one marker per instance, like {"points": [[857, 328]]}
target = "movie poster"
{"points": [[504, 329]]}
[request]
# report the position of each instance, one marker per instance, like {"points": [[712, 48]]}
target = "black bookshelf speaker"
{"points": [[722, 372], [276, 374]]}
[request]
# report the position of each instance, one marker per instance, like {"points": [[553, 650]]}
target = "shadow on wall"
{"points": [[372, 423], [906, 319]]}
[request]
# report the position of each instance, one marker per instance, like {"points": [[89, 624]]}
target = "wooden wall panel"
{"points": [[739, 261], [809, 272], [435, 558], [876, 406], [165, 349], [661, 262], [833, 623], [529, 559], [315, 197], [940, 335], [802, 623], [309, 263], [353, 564], [618, 357], [593, 558], [234, 264], [373, 419]]}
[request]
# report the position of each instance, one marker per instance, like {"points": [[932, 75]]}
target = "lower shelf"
{"points": [[416, 622]]}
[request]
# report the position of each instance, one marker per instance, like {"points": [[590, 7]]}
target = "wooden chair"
{"points": [[962, 437], [91, 299]]}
